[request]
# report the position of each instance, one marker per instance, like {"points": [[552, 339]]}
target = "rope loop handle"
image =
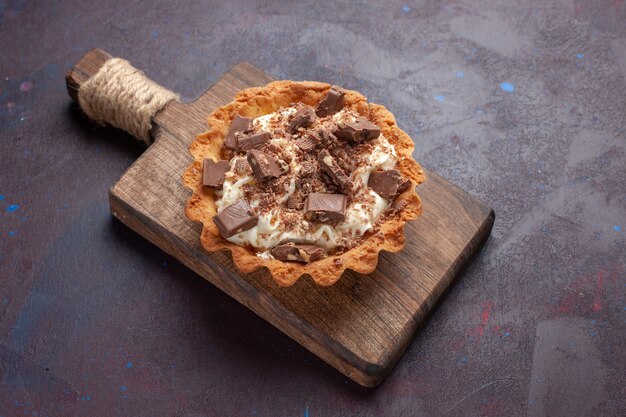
{"points": [[122, 96]]}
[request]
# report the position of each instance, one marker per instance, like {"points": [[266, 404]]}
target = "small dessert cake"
{"points": [[303, 178]]}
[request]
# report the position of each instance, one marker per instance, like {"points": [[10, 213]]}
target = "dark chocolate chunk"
{"points": [[358, 130], [404, 185], [235, 218], [332, 103], [263, 165], [253, 141], [239, 125], [388, 184], [302, 118], [213, 172], [325, 208], [297, 252], [334, 171]]}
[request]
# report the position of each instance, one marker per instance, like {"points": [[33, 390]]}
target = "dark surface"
{"points": [[96, 321]]}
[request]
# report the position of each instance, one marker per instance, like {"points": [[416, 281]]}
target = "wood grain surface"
{"points": [[362, 324]]}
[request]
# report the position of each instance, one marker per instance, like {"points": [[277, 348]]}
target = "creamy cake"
{"points": [[303, 178]]}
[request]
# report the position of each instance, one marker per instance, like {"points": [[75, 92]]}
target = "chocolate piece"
{"points": [[404, 185], [302, 118], [213, 172], [253, 141], [330, 186], [239, 124], [332, 103], [307, 142], [263, 165], [334, 171], [295, 201], [388, 184], [325, 208], [297, 252], [358, 130], [235, 218]]}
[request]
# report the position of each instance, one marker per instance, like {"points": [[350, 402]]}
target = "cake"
{"points": [[303, 178]]}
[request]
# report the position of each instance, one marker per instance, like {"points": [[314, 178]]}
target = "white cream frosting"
{"points": [[360, 216]]}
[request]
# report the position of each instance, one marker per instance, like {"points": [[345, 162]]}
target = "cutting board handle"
{"points": [[110, 91]]}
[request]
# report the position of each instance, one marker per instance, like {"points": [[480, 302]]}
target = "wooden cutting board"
{"points": [[363, 323]]}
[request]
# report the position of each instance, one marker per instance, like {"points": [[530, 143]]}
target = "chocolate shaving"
{"points": [[330, 167], [278, 132], [358, 130], [398, 205], [307, 169], [266, 200], [326, 137], [253, 141], [325, 208], [297, 252], [332, 103], [263, 166], [240, 124], [307, 142], [279, 185], [295, 201], [277, 152], [242, 166], [388, 184], [213, 172], [347, 159], [302, 118], [235, 218]]}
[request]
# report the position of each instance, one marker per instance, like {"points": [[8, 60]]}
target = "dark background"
{"points": [[521, 103]]}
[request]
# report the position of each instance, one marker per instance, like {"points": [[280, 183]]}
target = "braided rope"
{"points": [[122, 96]]}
